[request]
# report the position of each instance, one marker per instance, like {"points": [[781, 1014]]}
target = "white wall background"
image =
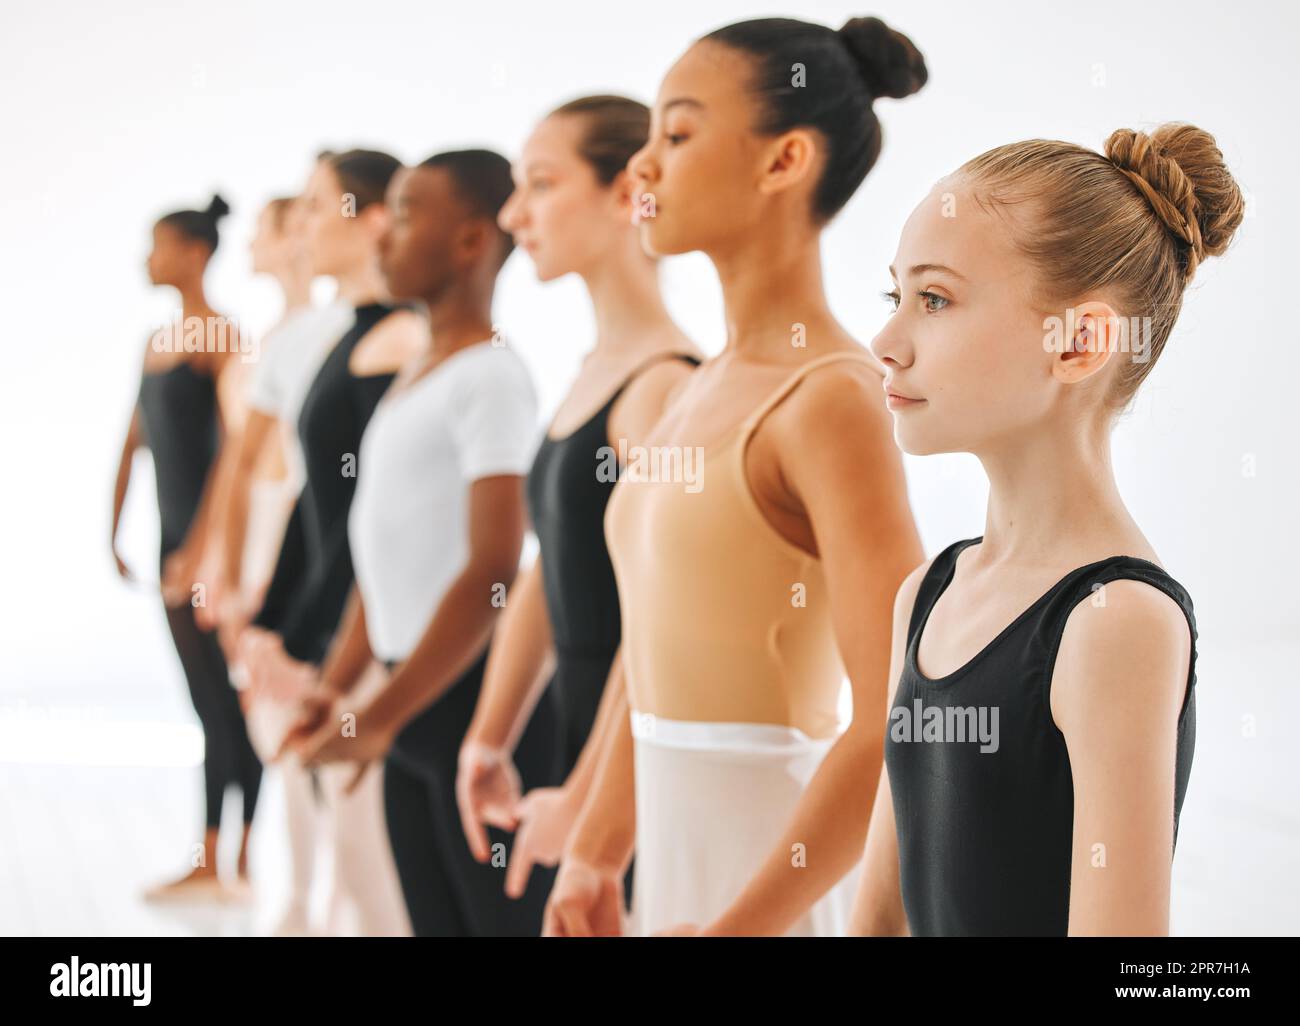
{"points": [[115, 114]]}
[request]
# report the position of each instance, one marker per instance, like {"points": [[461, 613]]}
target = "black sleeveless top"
{"points": [[569, 486], [313, 574], [178, 409], [985, 837], [567, 496]]}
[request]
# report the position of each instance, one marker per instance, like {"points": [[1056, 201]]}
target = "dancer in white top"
{"points": [[436, 531]]}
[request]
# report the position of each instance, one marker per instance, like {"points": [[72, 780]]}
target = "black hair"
{"points": [[483, 183], [199, 225], [363, 174], [813, 76]]}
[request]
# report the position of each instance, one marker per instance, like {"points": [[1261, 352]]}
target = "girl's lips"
{"points": [[900, 402]]}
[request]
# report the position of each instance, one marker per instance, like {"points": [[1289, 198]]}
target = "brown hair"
{"points": [[1134, 222], [615, 127]]}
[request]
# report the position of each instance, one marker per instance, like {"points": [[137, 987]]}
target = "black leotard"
{"points": [[985, 837], [313, 575], [566, 499], [178, 409]]}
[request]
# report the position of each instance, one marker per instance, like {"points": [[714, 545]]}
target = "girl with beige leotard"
{"points": [[760, 535]]}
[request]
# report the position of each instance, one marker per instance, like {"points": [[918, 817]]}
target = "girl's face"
{"points": [[338, 237], [274, 245], [964, 352], [559, 213], [174, 258], [697, 181]]}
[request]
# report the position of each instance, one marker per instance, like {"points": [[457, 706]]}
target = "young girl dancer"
{"points": [[1035, 288], [264, 480], [739, 581], [185, 390], [437, 528], [345, 217], [571, 211]]}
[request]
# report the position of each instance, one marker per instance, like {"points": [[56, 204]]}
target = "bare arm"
{"points": [[605, 833], [349, 654], [521, 660], [134, 439], [246, 453], [878, 908], [837, 454], [1120, 677]]}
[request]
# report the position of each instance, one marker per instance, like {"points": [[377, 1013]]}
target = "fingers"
{"points": [[475, 833], [351, 786], [521, 862]]}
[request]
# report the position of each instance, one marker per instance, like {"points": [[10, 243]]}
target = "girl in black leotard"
{"points": [[344, 218], [178, 416], [1040, 738], [571, 211]]}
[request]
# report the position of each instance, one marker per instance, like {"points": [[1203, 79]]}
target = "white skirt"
{"points": [[712, 800]]}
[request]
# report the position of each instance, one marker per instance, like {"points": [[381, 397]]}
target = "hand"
{"points": [[314, 711], [369, 742], [179, 573], [123, 571], [546, 816], [214, 578], [272, 672], [487, 791], [586, 901], [680, 930]]}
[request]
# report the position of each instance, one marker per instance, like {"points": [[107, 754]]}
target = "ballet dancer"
{"points": [[263, 481], [1035, 289], [344, 218], [186, 388], [437, 529], [571, 212], [761, 565]]}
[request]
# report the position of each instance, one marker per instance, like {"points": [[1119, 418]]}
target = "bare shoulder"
{"points": [[648, 394], [1125, 651], [390, 344], [842, 394]]}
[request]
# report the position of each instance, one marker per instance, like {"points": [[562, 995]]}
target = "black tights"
{"points": [[448, 892], [228, 756]]}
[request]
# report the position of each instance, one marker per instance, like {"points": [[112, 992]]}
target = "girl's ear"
{"points": [[1093, 330]]}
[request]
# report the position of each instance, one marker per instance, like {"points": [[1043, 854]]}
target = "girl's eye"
{"points": [[929, 299], [892, 298], [674, 137]]}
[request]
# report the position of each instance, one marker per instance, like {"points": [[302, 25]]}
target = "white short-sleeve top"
{"points": [[473, 416], [291, 355]]}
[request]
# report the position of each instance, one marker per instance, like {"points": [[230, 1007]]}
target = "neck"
{"points": [[624, 290], [459, 316], [770, 284], [1054, 491], [361, 284], [295, 283], [194, 301]]}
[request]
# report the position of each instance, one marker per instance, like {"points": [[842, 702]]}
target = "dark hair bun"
{"points": [[888, 61], [218, 208]]}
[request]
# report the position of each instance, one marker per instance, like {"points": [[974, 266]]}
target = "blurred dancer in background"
{"points": [[188, 390]]}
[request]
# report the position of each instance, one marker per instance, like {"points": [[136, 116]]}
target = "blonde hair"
{"points": [[1135, 221]]}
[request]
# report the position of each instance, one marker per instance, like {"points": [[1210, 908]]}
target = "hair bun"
{"points": [[218, 208], [888, 61], [1180, 170]]}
